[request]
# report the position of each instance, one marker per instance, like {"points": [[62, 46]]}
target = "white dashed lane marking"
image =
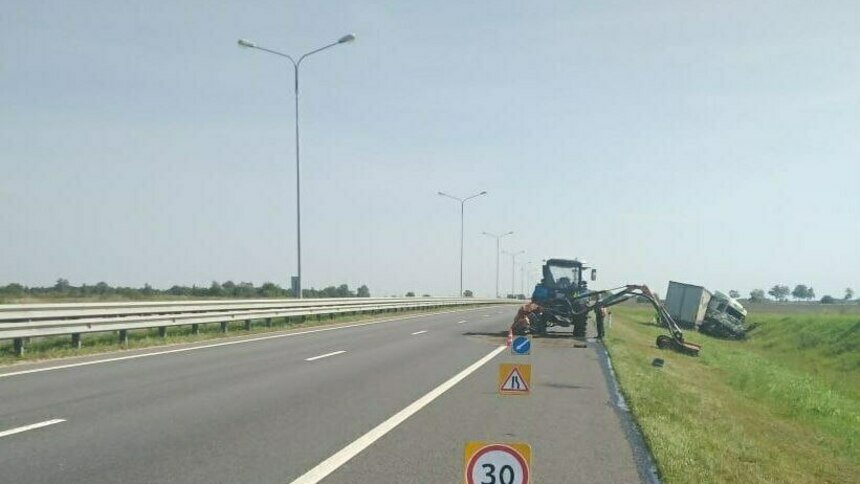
{"points": [[18, 430], [333, 353]]}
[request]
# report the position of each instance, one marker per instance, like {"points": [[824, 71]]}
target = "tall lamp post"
{"points": [[296, 63], [498, 247], [523, 276], [531, 273], [513, 269], [462, 210]]}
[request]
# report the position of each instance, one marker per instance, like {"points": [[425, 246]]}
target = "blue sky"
{"points": [[708, 142]]}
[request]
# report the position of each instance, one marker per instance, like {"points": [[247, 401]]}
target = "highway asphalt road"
{"points": [[344, 405]]}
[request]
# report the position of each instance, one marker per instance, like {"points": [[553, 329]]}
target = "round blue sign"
{"points": [[521, 345]]}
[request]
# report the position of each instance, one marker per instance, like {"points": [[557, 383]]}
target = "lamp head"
{"points": [[346, 38]]}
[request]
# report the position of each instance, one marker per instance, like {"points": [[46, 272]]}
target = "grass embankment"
{"points": [[782, 406], [93, 343]]}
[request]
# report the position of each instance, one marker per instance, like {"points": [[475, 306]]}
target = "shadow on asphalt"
{"points": [[504, 334], [566, 386], [497, 334]]}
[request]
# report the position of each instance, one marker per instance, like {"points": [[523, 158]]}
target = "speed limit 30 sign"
{"points": [[497, 463]]}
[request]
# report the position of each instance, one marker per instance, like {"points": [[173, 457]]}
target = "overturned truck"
{"points": [[715, 314]]}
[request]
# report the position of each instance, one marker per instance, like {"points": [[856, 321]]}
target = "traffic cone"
{"points": [[510, 339]]}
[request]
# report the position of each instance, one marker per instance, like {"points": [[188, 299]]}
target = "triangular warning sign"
{"points": [[515, 383]]}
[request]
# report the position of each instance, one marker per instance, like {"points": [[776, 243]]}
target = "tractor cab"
{"points": [[562, 278]]}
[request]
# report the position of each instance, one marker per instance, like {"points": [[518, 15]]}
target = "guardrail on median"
{"points": [[19, 322]]}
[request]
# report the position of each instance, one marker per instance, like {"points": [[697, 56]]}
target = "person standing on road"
{"points": [[599, 316]]}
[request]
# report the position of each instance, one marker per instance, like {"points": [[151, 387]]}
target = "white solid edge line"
{"points": [[325, 355], [343, 456], [18, 430], [419, 332], [225, 343]]}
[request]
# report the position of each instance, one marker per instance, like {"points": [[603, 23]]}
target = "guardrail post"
{"points": [[123, 337], [247, 325], [268, 322], [18, 344], [224, 326], [76, 341], [162, 331], [195, 328]]}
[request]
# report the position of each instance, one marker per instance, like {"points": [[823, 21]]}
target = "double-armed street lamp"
{"points": [[462, 209], [296, 63]]}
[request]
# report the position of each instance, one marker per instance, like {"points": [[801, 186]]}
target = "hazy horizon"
{"points": [[709, 143]]}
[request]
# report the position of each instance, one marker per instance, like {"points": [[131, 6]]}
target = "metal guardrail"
{"points": [[19, 322]]}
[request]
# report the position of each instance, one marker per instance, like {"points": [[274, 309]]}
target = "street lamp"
{"points": [[524, 269], [498, 239], [532, 274], [462, 209], [296, 63], [513, 266]]}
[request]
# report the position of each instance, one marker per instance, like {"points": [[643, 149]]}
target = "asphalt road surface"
{"points": [[393, 402]]}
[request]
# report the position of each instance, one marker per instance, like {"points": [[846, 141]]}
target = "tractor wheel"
{"points": [[664, 342]]}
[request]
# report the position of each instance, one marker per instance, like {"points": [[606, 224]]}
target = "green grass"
{"points": [[782, 406], [787, 309], [94, 343]]}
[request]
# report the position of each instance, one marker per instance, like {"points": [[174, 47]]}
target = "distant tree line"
{"points": [[781, 292], [229, 289]]}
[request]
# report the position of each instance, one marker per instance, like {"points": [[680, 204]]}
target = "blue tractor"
{"points": [[562, 295]]}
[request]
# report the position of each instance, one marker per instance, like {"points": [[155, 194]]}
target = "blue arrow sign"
{"points": [[521, 345]]}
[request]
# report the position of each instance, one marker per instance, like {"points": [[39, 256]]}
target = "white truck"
{"points": [[712, 313]]}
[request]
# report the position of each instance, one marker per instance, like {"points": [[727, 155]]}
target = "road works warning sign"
{"points": [[487, 462], [515, 378]]}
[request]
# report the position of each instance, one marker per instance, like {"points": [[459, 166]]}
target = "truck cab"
{"points": [[724, 317]]}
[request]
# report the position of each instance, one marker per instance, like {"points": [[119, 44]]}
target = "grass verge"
{"points": [[783, 406], [93, 343]]}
